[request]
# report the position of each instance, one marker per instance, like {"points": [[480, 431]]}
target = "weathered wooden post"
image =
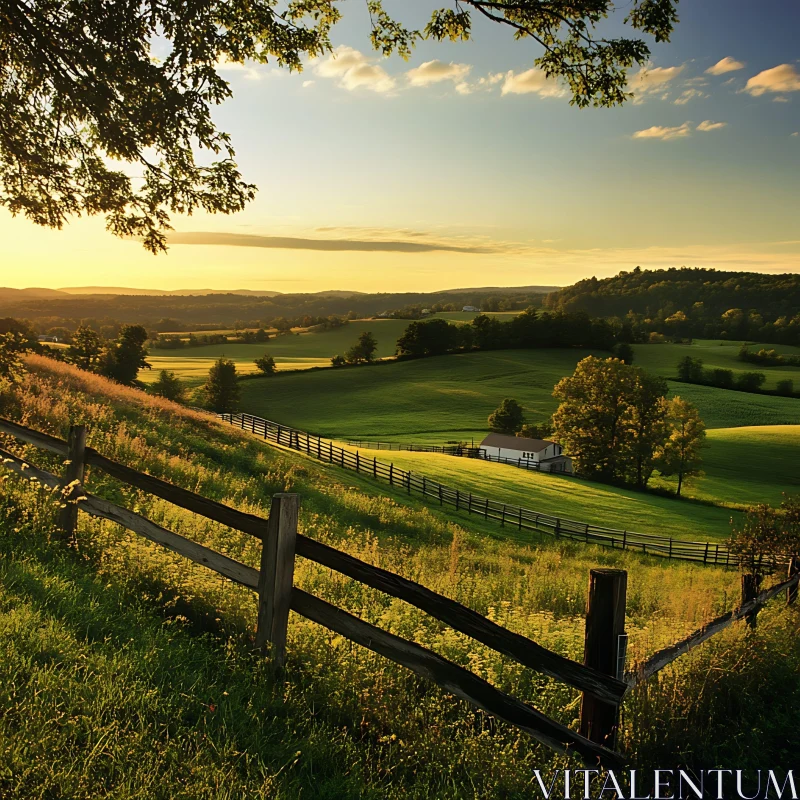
{"points": [[750, 586], [76, 467], [276, 576], [604, 649], [794, 568]]}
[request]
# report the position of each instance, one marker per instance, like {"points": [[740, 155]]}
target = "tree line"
{"points": [[530, 329], [686, 303], [692, 370], [769, 358]]}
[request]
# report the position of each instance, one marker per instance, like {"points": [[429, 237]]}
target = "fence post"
{"points": [[750, 586], [794, 568], [276, 576], [68, 516], [604, 649]]}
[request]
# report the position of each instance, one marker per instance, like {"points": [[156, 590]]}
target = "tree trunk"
{"points": [[680, 483]]}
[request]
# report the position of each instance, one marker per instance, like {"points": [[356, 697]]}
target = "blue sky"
{"points": [[466, 148]]}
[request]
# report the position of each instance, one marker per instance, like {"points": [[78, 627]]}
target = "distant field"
{"points": [[568, 497], [293, 351], [663, 359], [449, 397]]}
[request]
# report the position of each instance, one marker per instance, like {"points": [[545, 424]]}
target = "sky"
{"points": [[465, 167]]}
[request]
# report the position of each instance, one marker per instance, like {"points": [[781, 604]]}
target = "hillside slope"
{"points": [[450, 397], [128, 672]]}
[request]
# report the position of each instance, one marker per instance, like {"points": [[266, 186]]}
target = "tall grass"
{"points": [[118, 611]]}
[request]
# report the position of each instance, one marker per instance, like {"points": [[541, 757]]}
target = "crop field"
{"points": [[448, 398], [110, 651]]}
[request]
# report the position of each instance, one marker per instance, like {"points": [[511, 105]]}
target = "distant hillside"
{"points": [[505, 290], [666, 291], [122, 290], [11, 295], [177, 311]]}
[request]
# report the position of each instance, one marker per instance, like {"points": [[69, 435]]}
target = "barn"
{"points": [[546, 455]]}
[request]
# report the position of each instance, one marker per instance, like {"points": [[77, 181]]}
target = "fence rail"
{"points": [[277, 596], [503, 513], [445, 449], [601, 678]]}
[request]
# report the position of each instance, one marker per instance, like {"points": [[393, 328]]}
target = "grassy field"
{"points": [[449, 397], [298, 350], [570, 497], [750, 465], [129, 673], [662, 359]]}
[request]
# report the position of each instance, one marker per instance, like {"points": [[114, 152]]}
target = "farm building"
{"points": [[470, 308], [545, 454]]}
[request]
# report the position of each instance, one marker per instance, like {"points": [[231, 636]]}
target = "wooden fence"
{"points": [[502, 513], [602, 678], [273, 583], [445, 449]]}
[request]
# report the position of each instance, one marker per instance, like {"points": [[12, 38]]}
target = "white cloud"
{"points": [[687, 95], [306, 84], [726, 64], [354, 70], [248, 71], [783, 78], [708, 125], [436, 72], [661, 132], [532, 81], [649, 80]]}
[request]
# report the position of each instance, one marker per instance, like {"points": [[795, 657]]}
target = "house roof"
{"points": [[515, 443]]}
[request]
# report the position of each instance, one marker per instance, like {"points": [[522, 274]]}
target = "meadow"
{"points": [[129, 673], [570, 497], [448, 398], [300, 349]]}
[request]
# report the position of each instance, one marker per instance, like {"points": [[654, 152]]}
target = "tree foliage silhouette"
{"points": [[92, 122]]}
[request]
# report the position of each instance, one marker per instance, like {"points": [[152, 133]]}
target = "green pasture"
{"points": [[662, 359], [448, 398], [293, 351], [128, 672], [569, 497], [745, 466]]}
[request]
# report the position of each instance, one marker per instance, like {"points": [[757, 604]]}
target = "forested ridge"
{"points": [[668, 290]]}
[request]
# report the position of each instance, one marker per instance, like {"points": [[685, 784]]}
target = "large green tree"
{"points": [[648, 426], [106, 107], [87, 349], [128, 355], [593, 420], [363, 351], [222, 386], [612, 420], [681, 454], [508, 417]]}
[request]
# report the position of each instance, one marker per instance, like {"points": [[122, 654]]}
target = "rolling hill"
{"points": [[126, 669]]}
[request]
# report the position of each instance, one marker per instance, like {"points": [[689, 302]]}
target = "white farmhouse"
{"points": [[470, 308], [542, 452]]}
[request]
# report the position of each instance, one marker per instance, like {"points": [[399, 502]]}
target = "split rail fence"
{"points": [[502, 513], [601, 678]]}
